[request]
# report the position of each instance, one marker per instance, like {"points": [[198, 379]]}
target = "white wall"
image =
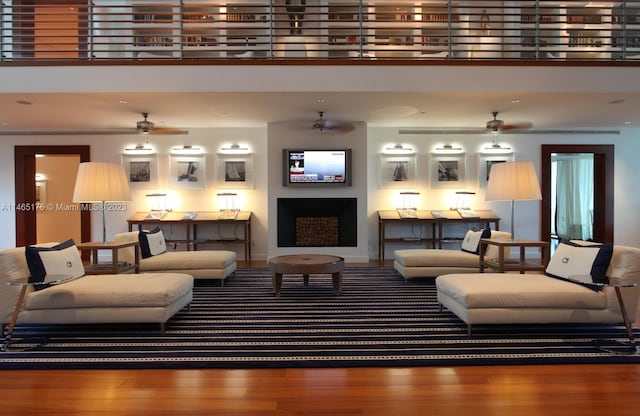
{"points": [[109, 149], [283, 136], [367, 143], [525, 147]]}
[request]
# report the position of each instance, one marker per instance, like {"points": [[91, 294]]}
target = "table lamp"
{"points": [[513, 181], [101, 183]]}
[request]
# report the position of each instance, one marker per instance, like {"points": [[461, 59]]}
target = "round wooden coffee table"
{"points": [[306, 264]]}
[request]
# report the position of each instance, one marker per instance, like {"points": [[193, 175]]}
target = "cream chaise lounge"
{"points": [[125, 298], [499, 298], [203, 264], [424, 262]]}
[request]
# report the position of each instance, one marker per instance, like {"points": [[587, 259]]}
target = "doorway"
{"points": [[601, 217], [26, 190]]}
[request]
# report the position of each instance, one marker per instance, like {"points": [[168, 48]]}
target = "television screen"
{"points": [[317, 167]]}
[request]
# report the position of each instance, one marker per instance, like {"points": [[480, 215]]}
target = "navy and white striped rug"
{"points": [[378, 320]]}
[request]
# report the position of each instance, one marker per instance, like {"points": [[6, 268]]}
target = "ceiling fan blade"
{"points": [[517, 126], [338, 126], [166, 130]]}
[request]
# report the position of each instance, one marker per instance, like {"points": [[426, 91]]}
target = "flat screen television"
{"points": [[310, 167]]}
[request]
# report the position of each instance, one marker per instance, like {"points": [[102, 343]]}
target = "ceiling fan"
{"points": [[147, 127], [322, 124], [497, 126]]}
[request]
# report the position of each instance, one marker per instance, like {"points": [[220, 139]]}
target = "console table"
{"points": [[201, 218], [433, 226]]}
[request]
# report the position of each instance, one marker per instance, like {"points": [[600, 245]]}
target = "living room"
{"points": [[368, 140]]}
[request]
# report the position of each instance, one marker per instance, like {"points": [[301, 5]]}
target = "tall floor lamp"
{"points": [[101, 183], [513, 181]]}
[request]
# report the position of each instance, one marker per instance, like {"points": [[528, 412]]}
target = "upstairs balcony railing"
{"points": [[141, 30]]}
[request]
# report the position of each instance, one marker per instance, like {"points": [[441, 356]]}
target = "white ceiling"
{"points": [[452, 103]]}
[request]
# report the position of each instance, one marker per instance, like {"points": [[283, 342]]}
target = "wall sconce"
{"points": [[463, 200], [496, 148], [139, 149], [157, 205], [229, 212], [234, 149], [448, 148], [187, 150], [408, 204], [399, 149]]}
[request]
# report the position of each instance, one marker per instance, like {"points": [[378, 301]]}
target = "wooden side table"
{"points": [[522, 263], [115, 267]]}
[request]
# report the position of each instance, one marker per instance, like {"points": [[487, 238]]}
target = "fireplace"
{"points": [[317, 222]]}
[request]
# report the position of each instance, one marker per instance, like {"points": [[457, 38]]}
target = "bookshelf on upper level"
{"points": [[337, 29]]}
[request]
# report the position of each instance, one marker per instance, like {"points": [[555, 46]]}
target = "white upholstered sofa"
{"points": [[500, 298], [125, 298], [424, 262], [203, 264]]}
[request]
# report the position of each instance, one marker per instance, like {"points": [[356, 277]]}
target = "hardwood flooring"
{"points": [[549, 390], [564, 390]]}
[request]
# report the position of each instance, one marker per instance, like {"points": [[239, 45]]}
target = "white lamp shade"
{"points": [[513, 181], [99, 182]]}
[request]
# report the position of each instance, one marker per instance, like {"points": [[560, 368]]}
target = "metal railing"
{"points": [[101, 30]]}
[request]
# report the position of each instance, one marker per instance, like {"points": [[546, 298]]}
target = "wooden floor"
{"points": [[563, 390]]}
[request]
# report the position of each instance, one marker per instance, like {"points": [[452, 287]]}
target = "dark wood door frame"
{"points": [[25, 189], [603, 196]]}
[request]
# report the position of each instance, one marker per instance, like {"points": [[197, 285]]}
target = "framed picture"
{"points": [[486, 161], [234, 171], [188, 171], [447, 170], [141, 170], [397, 171]]}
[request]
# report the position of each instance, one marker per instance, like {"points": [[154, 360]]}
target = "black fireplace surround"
{"points": [[345, 209]]}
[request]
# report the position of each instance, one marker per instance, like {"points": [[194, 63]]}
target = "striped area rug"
{"points": [[378, 320]]}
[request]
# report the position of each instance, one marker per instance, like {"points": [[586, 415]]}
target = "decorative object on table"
{"points": [[158, 206], [513, 181], [229, 210], [408, 204], [462, 200], [101, 183]]}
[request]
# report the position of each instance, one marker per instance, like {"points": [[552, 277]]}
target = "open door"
{"points": [[603, 188], [25, 189]]}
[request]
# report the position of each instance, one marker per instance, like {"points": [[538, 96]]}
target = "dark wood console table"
{"points": [[433, 226], [243, 218]]}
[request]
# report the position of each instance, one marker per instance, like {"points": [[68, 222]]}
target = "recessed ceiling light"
{"points": [[515, 101], [626, 123], [123, 102], [24, 102], [321, 100]]}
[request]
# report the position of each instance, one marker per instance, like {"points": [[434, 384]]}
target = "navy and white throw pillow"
{"points": [[52, 263], [152, 243], [585, 264], [471, 241]]}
